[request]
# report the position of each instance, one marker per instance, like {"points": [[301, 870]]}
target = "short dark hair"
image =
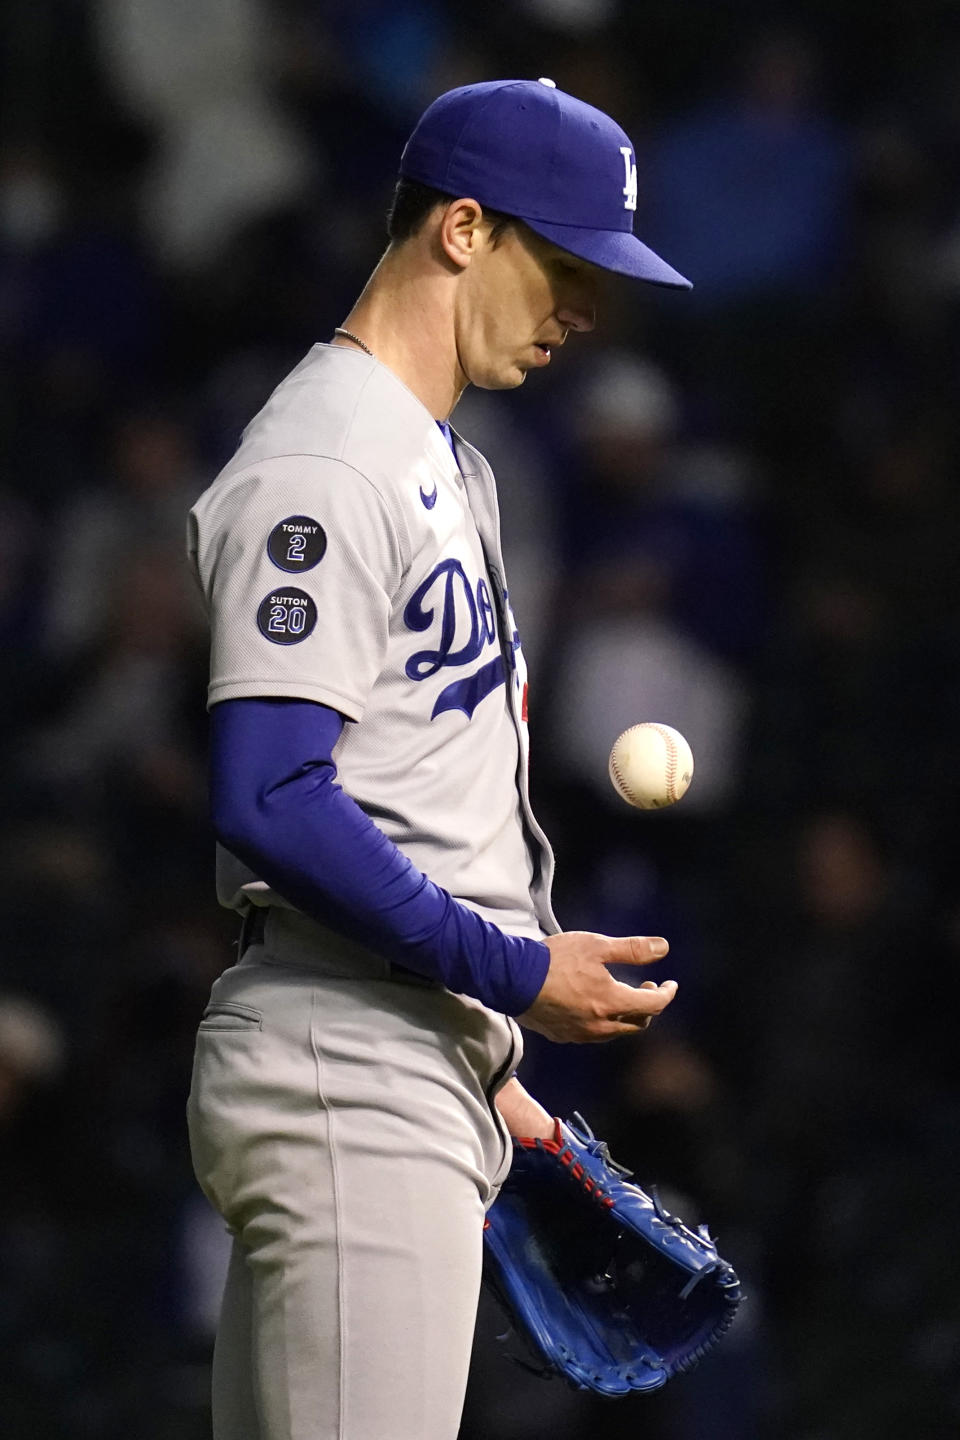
{"points": [[413, 202]]}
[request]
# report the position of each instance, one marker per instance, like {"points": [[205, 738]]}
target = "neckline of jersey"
{"points": [[371, 362]]}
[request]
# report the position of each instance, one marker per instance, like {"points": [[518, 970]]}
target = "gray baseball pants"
{"points": [[344, 1126]]}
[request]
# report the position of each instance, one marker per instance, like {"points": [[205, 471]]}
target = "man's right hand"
{"points": [[580, 1002]]}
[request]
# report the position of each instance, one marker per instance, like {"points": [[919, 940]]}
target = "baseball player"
{"points": [[354, 1089]]}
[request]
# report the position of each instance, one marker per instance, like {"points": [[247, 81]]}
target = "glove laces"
{"points": [[583, 1133]]}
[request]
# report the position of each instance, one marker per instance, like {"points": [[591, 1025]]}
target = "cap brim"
{"points": [[615, 250]]}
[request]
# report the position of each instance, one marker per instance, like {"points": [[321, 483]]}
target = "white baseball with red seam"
{"points": [[651, 765]]}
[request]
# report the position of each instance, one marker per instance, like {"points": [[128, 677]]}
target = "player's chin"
{"points": [[506, 379]]}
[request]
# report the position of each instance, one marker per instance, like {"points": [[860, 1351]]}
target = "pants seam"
{"points": [[337, 1216]]}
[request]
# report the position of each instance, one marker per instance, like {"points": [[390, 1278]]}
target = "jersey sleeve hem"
{"points": [[348, 705]]}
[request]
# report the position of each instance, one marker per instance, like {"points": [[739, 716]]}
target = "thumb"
{"points": [[635, 949]]}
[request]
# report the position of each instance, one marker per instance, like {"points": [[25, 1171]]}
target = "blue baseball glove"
{"points": [[607, 1289]]}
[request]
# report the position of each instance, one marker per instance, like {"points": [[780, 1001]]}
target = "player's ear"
{"points": [[459, 231]]}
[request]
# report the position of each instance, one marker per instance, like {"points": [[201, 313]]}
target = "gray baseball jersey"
{"points": [[346, 557], [346, 1128]]}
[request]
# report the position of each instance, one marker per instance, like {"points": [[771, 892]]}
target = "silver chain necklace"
{"points": [[348, 335]]}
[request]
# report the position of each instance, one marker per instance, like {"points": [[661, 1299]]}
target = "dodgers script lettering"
{"points": [[467, 627]]}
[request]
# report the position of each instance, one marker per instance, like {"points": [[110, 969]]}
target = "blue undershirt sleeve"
{"points": [[276, 805]]}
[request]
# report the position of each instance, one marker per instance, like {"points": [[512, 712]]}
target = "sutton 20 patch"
{"points": [[286, 616]]}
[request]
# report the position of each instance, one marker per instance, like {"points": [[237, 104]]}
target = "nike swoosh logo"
{"points": [[429, 500]]}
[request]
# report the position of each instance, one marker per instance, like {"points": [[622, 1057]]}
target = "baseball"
{"points": [[651, 765]]}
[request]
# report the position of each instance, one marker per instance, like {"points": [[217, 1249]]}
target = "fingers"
{"points": [[581, 1001], [635, 949], [644, 1001], [631, 1009], [616, 1030]]}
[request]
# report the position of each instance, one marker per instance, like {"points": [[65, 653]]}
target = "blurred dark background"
{"points": [[736, 511]]}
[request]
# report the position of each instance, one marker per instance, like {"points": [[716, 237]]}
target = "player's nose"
{"points": [[579, 298], [580, 316]]}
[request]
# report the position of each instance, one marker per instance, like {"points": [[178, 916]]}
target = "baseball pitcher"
{"points": [[354, 1095]]}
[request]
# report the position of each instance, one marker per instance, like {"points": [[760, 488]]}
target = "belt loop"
{"points": [[252, 928]]}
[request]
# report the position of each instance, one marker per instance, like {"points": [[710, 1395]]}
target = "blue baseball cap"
{"points": [[529, 150]]}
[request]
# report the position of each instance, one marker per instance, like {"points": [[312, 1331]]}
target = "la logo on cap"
{"points": [[630, 178]]}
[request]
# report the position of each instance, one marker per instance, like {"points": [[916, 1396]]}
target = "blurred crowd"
{"points": [[735, 511]]}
